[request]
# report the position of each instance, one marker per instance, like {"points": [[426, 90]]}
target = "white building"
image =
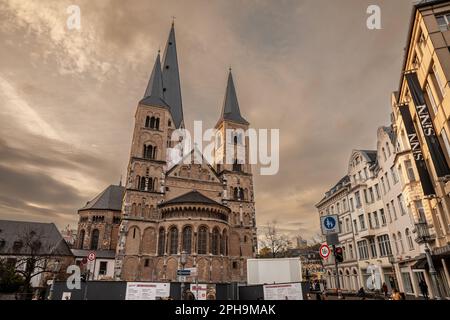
{"points": [[377, 225]]}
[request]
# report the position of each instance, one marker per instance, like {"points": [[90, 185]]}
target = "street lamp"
{"points": [[56, 268], [391, 260], [424, 237], [183, 258]]}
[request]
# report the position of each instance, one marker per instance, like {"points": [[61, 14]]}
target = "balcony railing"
{"points": [[422, 232]]}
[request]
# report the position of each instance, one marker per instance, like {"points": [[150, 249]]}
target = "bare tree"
{"points": [[276, 242], [34, 257]]}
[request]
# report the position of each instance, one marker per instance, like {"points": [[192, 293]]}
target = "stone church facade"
{"points": [[204, 210]]}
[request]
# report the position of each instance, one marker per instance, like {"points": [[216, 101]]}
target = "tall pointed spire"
{"points": [[171, 79], [230, 108], [154, 92]]}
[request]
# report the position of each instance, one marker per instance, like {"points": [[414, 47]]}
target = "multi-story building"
{"points": [[376, 227], [421, 114]]}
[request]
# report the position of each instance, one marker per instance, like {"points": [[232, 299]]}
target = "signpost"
{"points": [[330, 228]]}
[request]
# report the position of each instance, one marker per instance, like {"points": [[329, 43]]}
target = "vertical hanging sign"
{"points": [[437, 155], [421, 166]]}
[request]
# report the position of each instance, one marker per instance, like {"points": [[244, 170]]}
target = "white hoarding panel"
{"points": [[287, 291], [267, 271], [147, 291]]}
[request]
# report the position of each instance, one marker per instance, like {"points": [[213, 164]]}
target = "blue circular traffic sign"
{"points": [[329, 223]]}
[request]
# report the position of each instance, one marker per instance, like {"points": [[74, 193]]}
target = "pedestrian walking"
{"points": [[385, 289], [424, 288]]}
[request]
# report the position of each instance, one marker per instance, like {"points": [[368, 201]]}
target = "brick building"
{"points": [[169, 207]]}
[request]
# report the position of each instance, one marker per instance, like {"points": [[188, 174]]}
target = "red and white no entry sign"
{"points": [[91, 256], [324, 251]]}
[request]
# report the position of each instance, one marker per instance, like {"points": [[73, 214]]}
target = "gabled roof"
{"points": [[191, 197], [19, 238], [154, 93], [371, 155], [191, 155], [171, 79], [110, 199], [230, 108]]}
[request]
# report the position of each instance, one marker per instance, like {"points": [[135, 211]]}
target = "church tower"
{"points": [[233, 166], [155, 120]]}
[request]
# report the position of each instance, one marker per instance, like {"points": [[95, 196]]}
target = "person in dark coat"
{"points": [[361, 293], [385, 289], [424, 288]]}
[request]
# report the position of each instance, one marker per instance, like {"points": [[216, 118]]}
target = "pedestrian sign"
{"points": [[329, 224]]}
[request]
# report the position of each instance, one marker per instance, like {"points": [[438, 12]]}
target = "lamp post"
{"points": [[56, 268], [391, 259], [183, 258], [424, 237]]}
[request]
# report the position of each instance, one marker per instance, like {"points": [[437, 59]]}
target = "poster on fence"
{"points": [[147, 291], [285, 291], [204, 291]]}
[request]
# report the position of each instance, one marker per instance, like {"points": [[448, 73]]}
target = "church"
{"points": [[173, 215]]}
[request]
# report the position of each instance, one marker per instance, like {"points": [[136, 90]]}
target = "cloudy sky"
{"points": [[310, 68]]}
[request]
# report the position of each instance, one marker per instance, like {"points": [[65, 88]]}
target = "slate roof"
{"points": [[171, 79], [230, 108], [191, 197], [371, 155], [110, 199], [154, 93], [99, 254], [390, 133], [18, 237]]}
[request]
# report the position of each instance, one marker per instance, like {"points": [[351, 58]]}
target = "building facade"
{"points": [[421, 113], [176, 204], [400, 192]]}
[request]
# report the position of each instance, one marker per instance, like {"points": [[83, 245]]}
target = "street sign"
{"points": [[329, 224], [193, 271], [183, 272], [324, 251], [182, 278], [91, 256]]}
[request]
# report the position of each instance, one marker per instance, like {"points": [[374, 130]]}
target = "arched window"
{"points": [[236, 194], [133, 209], [139, 210], [394, 237], [215, 242], [138, 182], [235, 139], [152, 122], [94, 239], [202, 240], [187, 239], [147, 121], [409, 239], [161, 241], [241, 194], [400, 241], [224, 243], [142, 185], [173, 236], [81, 239], [154, 184], [157, 123], [388, 149]]}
